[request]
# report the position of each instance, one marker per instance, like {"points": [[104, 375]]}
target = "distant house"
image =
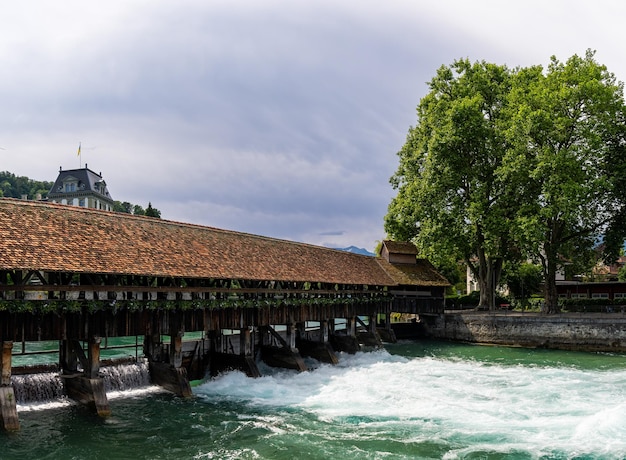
{"points": [[81, 187]]}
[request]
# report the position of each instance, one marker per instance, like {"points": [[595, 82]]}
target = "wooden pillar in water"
{"points": [[86, 387], [169, 372], [385, 331], [319, 349], [246, 353], [286, 354], [245, 342], [370, 338], [291, 337], [346, 341], [8, 404]]}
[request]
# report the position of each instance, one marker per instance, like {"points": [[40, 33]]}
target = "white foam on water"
{"points": [[135, 392], [47, 405], [469, 405]]}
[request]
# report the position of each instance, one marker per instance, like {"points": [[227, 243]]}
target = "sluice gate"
{"points": [[197, 300]]}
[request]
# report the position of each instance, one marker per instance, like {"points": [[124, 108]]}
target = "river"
{"points": [[424, 400]]}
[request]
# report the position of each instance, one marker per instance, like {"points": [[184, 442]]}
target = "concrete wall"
{"points": [[584, 332]]}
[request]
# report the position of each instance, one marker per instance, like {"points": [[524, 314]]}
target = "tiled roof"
{"points": [[62, 238], [423, 273], [53, 237]]}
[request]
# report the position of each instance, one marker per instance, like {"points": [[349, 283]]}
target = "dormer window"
{"points": [[70, 187]]}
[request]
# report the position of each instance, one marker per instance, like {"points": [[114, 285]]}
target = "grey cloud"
{"points": [[277, 118]]}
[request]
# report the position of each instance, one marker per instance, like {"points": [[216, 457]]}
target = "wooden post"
{"points": [[324, 331], [369, 337], [351, 326], [93, 358], [347, 341], [169, 372], [152, 339], [319, 349], [7, 349], [372, 324], [8, 404], [176, 348], [245, 342], [86, 387], [291, 336], [386, 332], [286, 354]]}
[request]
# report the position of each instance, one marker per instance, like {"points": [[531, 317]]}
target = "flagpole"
{"points": [[79, 164]]}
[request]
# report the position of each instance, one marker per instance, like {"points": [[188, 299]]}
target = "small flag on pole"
{"points": [[78, 149]]}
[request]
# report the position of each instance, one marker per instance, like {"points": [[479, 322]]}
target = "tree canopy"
{"points": [[514, 164], [12, 186], [136, 209]]}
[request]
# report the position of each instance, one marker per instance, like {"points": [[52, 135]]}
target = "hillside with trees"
{"points": [[12, 186]]}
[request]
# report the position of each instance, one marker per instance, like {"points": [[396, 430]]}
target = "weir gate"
{"points": [[82, 277]]}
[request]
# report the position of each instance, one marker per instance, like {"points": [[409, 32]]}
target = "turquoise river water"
{"points": [[425, 400]]}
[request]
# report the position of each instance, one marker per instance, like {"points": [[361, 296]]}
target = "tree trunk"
{"points": [[485, 294], [551, 299], [489, 271]]}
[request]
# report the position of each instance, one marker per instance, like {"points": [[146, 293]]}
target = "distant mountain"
{"points": [[356, 250]]}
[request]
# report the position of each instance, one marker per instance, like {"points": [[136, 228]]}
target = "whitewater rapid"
{"points": [[466, 405]]}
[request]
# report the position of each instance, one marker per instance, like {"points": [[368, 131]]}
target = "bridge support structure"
{"points": [[222, 360], [346, 341], [368, 336], [385, 332], [86, 386], [8, 405], [284, 354], [318, 349], [166, 369]]}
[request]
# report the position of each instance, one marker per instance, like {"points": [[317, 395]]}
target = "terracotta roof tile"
{"points": [[423, 273], [55, 237]]}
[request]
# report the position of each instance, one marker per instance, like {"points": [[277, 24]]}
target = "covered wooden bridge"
{"points": [[79, 276]]}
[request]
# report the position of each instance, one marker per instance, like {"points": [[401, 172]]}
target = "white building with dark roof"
{"points": [[81, 187]]}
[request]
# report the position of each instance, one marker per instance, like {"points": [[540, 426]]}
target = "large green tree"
{"points": [[505, 165], [568, 158], [451, 201]]}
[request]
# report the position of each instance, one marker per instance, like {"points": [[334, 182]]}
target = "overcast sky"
{"points": [[278, 118]]}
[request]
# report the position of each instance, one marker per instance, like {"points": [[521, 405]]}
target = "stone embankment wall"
{"points": [[582, 332]]}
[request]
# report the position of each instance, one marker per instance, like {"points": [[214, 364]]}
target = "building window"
{"points": [[70, 187], [81, 202], [600, 295], [619, 295], [579, 296]]}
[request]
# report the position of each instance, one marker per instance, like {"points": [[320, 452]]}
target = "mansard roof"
{"points": [[87, 182]]}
